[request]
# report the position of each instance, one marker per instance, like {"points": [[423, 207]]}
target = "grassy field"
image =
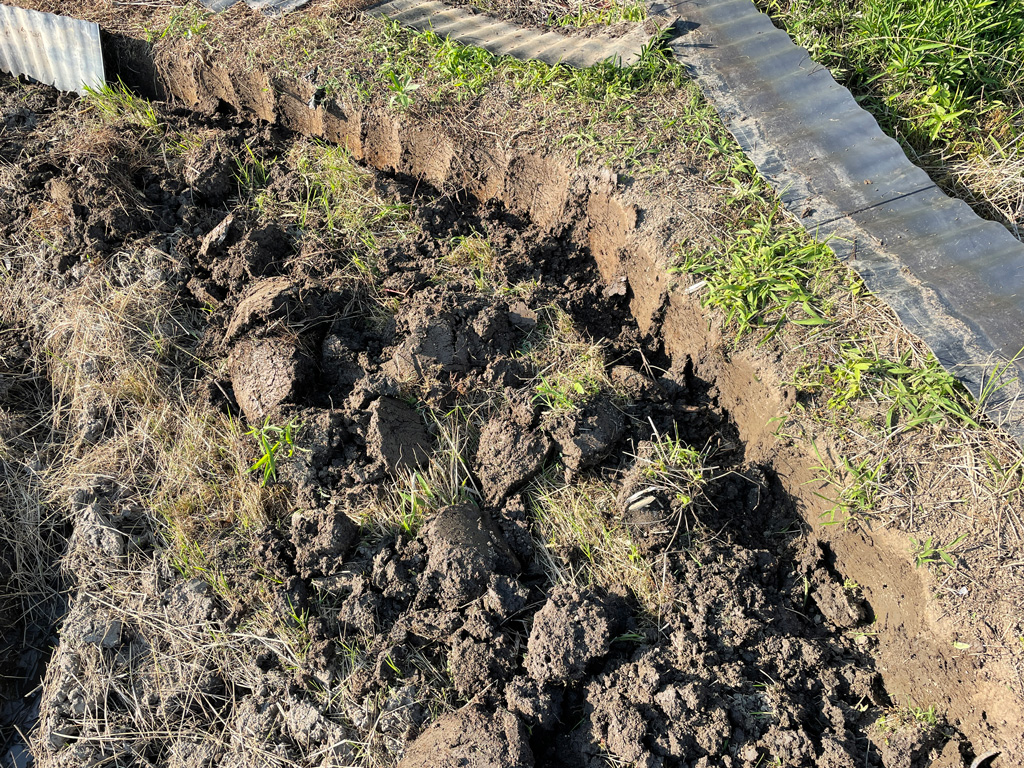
{"points": [[944, 77]]}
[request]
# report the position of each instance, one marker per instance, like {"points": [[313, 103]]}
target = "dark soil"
{"points": [[470, 648]]}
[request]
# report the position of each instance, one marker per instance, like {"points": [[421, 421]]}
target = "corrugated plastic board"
{"points": [[55, 50], [954, 279], [505, 39]]}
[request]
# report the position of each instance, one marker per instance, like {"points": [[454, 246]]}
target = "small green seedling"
{"points": [[419, 499], [924, 716], [272, 439], [558, 395], [401, 88], [928, 552]]}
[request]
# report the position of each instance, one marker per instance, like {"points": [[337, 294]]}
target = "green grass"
{"points": [[609, 13], [675, 467], [186, 21], [330, 204], [940, 63], [405, 59], [946, 77], [570, 367], [580, 541], [252, 172], [272, 440], [766, 274], [930, 552], [425, 71], [913, 393], [403, 503], [115, 103], [858, 487], [475, 256]]}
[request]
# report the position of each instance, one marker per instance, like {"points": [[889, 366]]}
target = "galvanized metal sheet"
{"points": [[503, 38], [267, 7], [955, 280], [216, 6], [275, 7], [56, 50]]}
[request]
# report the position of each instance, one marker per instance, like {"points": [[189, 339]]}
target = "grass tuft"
{"points": [[767, 274], [580, 541], [570, 368], [403, 504], [913, 393], [115, 103], [329, 202]]}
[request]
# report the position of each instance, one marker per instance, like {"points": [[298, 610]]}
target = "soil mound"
{"points": [[569, 632], [472, 738]]}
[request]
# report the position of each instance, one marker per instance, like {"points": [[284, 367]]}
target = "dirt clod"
{"points": [[586, 437], [511, 452], [463, 551], [396, 435], [472, 738], [268, 301], [572, 630], [208, 171], [321, 540], [266, 374]]}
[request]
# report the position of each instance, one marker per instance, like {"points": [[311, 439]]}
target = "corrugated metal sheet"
{"points": [[56, 50], [955, 280], [267, 7], [506, 39], [275, 7]]}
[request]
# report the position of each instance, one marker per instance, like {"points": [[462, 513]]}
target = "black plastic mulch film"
{"points": [[955, 279]]}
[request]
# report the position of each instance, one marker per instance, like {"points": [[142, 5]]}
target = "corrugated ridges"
{"points": [[56, 50], [955, 279], [505, 39], [267, 7]]}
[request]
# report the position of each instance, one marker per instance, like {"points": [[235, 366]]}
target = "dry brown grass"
{"points": [[123, 422], [122, 371], [992, 182]]}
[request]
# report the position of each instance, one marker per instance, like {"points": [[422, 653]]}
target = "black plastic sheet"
{"points": [[955, 279]]}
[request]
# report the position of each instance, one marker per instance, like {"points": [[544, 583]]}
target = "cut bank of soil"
{"points": [[755, 648]]}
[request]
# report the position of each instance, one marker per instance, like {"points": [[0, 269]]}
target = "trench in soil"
{"points": [[762, 639]]}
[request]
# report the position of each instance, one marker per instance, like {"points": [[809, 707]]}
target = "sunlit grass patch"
{"points": [[766, 274], [571, 369], [590, 14], [331, 200], [475, 256], [581, 541], [912, 392], [945, 78], [115, 103]]}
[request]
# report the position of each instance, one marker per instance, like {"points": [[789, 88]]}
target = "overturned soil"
{"points": [[475, 552]]}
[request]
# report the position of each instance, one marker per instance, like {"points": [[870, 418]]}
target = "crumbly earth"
{"points": [[463, 632]]}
